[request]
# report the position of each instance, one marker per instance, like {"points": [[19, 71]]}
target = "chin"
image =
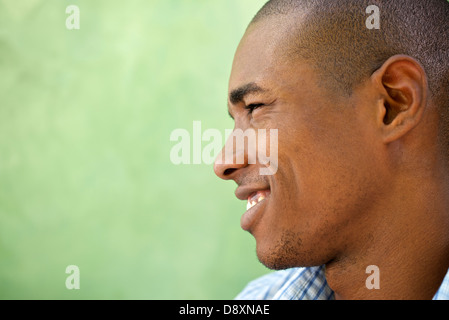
{"points": [[276, 263], [288, 253]]}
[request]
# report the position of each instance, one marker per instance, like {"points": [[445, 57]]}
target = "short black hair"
{"points": [[334, 38]]}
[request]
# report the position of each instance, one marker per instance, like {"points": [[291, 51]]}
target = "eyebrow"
{"points": [[238, 95]]}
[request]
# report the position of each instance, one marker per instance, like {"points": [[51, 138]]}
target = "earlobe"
{"points": [[402, 83]]}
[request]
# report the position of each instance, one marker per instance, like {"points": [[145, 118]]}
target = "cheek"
{"points": [[327, 178], [317, 195], [330, 172]]}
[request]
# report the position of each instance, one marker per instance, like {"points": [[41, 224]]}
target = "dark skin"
{"points": [[361, 180]]}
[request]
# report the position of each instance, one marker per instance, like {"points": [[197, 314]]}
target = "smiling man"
{"points": [[363, 134]]}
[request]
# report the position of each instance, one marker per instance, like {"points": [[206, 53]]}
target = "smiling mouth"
{"points": [[256, 198]]}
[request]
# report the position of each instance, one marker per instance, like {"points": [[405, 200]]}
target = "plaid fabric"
{"points": [[443, 291], [304, 284]]}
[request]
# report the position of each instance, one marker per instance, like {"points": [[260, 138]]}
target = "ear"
{"points": [[403, 88]]}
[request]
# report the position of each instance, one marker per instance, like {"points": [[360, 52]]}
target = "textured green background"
{"points": [[85, 173]]}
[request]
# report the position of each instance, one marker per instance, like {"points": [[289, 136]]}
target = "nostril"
{"points": [[228, 172]]}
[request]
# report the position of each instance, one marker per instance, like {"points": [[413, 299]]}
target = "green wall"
{"points": [[85, 171]]}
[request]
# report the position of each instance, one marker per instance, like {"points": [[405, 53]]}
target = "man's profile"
{"points": [[363, 161]]}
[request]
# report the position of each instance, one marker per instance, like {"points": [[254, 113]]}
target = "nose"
{"points": [[231, 158]]}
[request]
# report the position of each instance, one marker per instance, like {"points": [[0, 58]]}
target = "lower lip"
{"points": [[252, 215]]}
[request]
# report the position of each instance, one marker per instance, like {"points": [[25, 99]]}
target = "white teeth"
{"points": [[252, 203]]}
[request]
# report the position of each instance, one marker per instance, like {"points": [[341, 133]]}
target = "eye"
{"points": [[252, 107]]}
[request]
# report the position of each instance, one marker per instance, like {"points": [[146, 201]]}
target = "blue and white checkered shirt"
{"points": [[304, 284]]}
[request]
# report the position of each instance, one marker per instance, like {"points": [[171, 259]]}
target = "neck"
{"points": [[407, 239]]}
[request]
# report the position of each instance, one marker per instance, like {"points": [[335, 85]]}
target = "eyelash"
{"points": [[252, 107]]}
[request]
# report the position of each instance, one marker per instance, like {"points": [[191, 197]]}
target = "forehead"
{"points": [[261, 55]]}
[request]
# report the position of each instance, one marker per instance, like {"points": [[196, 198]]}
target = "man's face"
{"points": [[317, 203]]}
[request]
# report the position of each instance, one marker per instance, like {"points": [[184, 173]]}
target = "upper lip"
{"points": [[244, 192]]}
